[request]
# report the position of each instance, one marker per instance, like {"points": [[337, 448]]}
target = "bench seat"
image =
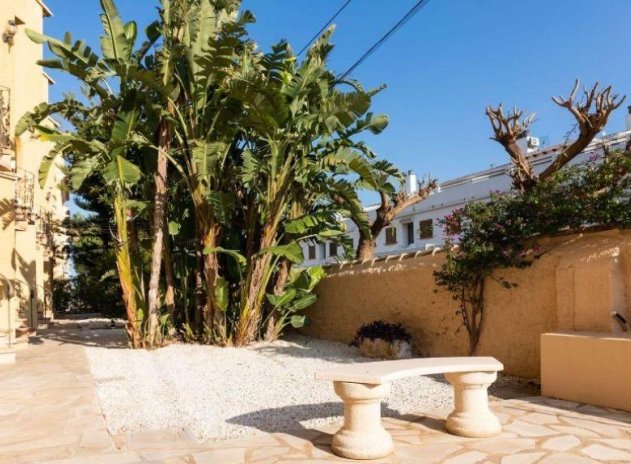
{"points": [[381, 372], [362, 387]]}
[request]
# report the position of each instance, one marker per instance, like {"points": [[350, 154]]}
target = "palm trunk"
{"points": [[159, 209], [125, 273], [169, 295]]}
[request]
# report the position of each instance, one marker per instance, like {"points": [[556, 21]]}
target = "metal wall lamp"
{"points": [[10, 30]]}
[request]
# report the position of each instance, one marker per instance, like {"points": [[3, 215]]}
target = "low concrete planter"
{"points": [[587, 367], [380, 348]]}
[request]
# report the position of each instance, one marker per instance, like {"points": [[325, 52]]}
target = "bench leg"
{"points": [[362, 435], [471, 416]]}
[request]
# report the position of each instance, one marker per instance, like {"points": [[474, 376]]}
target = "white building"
{"points": [[417, 228]]}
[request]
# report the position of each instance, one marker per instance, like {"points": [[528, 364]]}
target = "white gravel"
{"points": [[219, 393]]}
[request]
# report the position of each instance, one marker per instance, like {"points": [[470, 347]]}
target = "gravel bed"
{"points": [[220, 393]]}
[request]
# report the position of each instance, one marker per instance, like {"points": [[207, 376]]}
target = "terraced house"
{"points": [[417, 229], [31, 244]]}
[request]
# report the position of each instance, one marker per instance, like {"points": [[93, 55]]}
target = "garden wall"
{"points": [[576, 285]]}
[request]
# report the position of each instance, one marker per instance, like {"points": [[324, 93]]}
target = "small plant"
{"points": [[381, 330]]}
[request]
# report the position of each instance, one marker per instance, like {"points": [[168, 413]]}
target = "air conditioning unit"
{"points": [[533, 142]]}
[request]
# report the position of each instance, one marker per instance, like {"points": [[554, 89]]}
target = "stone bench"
{"points": [[363, 386]]}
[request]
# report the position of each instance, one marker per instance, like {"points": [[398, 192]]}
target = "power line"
{"points": [[409, 15], [324, 27]]}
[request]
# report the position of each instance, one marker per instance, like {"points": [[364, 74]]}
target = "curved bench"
{"points": [[363, 386]]}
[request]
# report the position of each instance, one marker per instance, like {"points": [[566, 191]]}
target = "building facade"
{"points": [[30, 213], [418, 229]]}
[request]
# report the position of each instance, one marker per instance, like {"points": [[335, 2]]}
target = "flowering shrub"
{"points": [[504, 232]]}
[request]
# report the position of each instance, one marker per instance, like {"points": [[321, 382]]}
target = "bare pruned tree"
{"points": [[591, 112], [391, 205]]}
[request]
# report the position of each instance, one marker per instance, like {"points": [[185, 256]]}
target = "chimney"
{"points": [[628, 122], [411, 183]]}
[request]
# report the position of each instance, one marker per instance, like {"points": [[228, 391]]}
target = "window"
{"points": [[426, 228], [391, 236], [332, 249], [312, 252], [409, 228]]}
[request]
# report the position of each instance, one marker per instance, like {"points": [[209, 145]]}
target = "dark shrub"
{"points": [[383, 330]]}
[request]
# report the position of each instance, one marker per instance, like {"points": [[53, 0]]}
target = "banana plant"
{"points": [[298, 132], [206, 125], [121, 92], [267, 152], [297, 295]]}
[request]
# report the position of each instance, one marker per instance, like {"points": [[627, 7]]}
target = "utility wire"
{"points": [[324, 27], [409, 15]]}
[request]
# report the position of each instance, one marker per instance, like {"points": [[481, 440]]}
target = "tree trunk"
{"points": [[125, 274], [159, 211], [200, 304], [137, 265], [211, 274], [255, 283], [282, 275], [169, 295], [476, 315], [366, 248], [368, 239]]}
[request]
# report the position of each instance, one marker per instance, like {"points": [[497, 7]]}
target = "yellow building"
{"points": [[26, 209]]}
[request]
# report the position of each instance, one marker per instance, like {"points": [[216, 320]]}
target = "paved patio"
{"points": [[49, 413]]}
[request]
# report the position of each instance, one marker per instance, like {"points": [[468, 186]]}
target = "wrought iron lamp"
{"points": [[9, 32]]}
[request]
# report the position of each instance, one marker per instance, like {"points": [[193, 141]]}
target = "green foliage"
{"points": [[264, 153], [94, 287], [505, 232], [297, 296]]}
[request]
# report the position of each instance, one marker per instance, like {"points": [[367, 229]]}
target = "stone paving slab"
{"points": [[49, 413]]}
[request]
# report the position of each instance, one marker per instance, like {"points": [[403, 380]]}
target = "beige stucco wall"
{"points": [[587, 367], [28, 86], [574, 286], [7, 244]]}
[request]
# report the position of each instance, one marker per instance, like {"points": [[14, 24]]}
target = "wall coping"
{"points": [[569, 233], [592, 335]]}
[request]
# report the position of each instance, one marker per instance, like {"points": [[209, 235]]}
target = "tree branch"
{"points": [[591, 114], [507, 130], [391, 207]]}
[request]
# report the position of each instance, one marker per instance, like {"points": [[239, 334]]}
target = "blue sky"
{"points": [[450, 61]]}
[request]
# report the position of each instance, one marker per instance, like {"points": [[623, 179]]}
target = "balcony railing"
{"points": [[24, 196], [6, 141], [40, 226]]}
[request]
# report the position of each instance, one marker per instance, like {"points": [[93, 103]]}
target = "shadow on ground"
{"points": [[308, 348], [67, 332], [268, 420]]}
